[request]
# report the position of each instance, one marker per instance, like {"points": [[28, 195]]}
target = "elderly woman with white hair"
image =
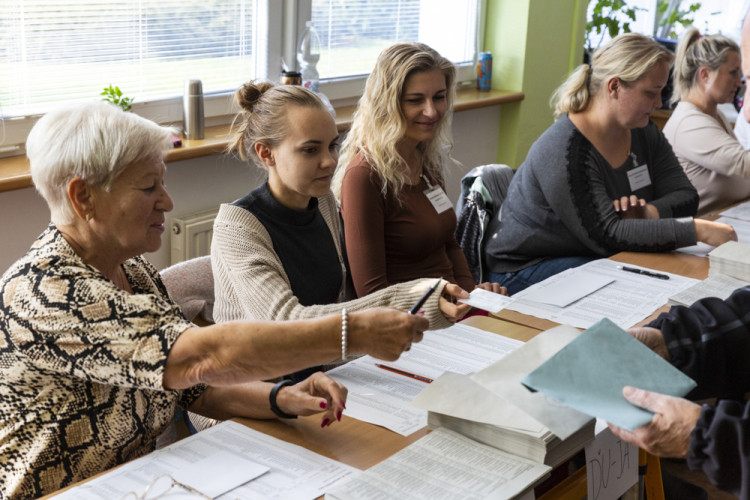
{"points": [[95, 355]]}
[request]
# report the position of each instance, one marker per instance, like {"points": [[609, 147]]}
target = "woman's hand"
{"points": [[449, 305], [632, 207], [317, 393], [668, 433], [713, 233], [651, 338], [493, 287], [385, 332]]}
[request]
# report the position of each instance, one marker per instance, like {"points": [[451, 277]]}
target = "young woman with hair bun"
{"points": [[277, 253]]}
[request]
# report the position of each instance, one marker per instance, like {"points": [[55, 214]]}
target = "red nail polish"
{"points": [[324, 422], [343, 405], [323, 405], [338, 416]]}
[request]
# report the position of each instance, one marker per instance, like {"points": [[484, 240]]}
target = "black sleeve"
{"points": [[720, 446], [710, 342]]}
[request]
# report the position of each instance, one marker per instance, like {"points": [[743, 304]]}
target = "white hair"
{"points": [[95, 141]]}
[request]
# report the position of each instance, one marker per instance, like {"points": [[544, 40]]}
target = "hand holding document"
{"points": [[487, 301], [590, 372]]}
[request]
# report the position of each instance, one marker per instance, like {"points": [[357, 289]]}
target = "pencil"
{"points": [[421, 378]]}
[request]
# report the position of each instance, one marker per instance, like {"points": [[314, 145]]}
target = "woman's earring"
{"points": [[88, 217]]}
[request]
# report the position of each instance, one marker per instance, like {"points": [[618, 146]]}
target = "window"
{"points": [[354, 32], [54, 51]]}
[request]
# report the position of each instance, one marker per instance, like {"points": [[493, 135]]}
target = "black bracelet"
{"points": [[272, 399]]}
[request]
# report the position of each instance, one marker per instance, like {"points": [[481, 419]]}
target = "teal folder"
{"points": [[590, 372]]}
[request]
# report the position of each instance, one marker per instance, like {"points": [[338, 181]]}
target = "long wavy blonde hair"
{"points": [[378, 123]]}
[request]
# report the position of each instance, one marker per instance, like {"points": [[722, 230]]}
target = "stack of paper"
{"points": [[443, 464], [492, 407], [718, 285], [731, 258]]}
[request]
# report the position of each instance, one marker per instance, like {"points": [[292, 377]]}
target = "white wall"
{"points": [[203, 183]]}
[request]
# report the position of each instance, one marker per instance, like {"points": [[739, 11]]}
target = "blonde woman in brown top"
{"points": [[398, 221]]}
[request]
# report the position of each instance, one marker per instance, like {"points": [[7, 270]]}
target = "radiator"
{"points": [[191, 235]]}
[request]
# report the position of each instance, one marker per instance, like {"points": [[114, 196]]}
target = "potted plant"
{"points": [[114, 95], [608, 17]]}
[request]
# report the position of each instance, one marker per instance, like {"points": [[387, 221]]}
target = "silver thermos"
{"points": [[192, 110]]}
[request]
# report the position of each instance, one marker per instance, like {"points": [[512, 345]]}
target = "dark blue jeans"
{"points": [[521, 280]]}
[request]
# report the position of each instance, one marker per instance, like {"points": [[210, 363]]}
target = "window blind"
{"points": [[71, 49], [353, 32]]}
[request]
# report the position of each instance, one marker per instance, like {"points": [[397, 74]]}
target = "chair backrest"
{"points": [[191, 285], [483, 191]]}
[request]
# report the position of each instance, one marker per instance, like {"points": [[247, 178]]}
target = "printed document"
{"points": [[383, 397], [626, 300], [447, 464], [228, 458]]}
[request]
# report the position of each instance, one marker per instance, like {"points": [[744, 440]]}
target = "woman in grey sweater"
{"points": [[602, 179]]}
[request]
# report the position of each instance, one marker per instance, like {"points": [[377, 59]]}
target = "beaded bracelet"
{"points": [[344, 331]]}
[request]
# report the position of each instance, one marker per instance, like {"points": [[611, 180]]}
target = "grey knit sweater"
{"points": [[559, 203]]}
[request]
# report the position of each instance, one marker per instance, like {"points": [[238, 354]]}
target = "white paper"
{"points": [[503, 378], [461, 396], [487, 301], [292, 473], [443, 463], [629, 299], [741, 211], [718, 285], [219, 472], [700, 249], [569, 289], [383, 398], [611, 465]]}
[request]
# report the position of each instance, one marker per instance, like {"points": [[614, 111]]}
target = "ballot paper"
{"points": [[492, 407], [732, 259], [382, 397], [570, 288], [741, 211], [226, 461], [590, 372], [627, 300], [718, 285], [487, 301], [443, 464]]}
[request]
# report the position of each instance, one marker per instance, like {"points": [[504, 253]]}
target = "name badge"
{"points": [[438, 198], [639, 178]]}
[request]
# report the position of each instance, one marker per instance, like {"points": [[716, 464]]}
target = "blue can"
{"points": [[484, 71]]}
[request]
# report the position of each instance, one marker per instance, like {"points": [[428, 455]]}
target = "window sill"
{"points": [[14, 171]]}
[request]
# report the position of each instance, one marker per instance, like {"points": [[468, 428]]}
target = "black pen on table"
{"points": [[643, 272], [421, 378], [416, 307]]}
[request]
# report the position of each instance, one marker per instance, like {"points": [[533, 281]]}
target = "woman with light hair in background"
{"points": [[602, 179], [96, 356], [707, 73], [399, 223]]}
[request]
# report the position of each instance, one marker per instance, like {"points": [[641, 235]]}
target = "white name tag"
{"points": [[438, 198], [639, 178]]}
